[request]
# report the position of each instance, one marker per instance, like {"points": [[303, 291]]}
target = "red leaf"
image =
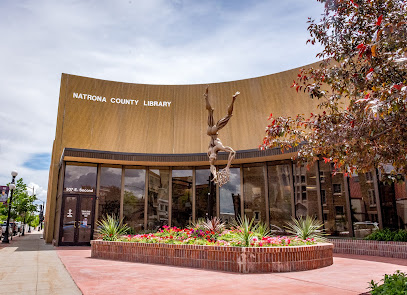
{"points": [[360, 46], [271, 115], [398, 86], [379, 20], [371, 70], [326, 160]]}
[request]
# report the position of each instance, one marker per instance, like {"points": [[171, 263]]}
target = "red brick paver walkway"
{"points": [[349, 274]]}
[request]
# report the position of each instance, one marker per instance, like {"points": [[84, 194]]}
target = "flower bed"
{"points": [[189, 236], [224, 250], [221, 258]]}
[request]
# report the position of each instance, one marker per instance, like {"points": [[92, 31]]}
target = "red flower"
{"points": [[379, 20]]}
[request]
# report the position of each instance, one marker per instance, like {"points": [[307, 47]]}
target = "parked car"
{"points": [[364, 228], [12, 229]]}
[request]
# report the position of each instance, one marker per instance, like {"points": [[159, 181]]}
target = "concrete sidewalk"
{"points": [[29, 266], [349, 275]]}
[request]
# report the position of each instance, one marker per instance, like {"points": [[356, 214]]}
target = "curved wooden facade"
{"points": [[101, 115]]}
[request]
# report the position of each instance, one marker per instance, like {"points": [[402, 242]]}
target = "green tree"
{"points": [[23, 204], [33, 219], [361, 83]]}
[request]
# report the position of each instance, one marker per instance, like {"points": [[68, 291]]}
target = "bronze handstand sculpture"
{"points": [[222, 176]]}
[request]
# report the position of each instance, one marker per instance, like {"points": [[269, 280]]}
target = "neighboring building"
{"points": [[140, 152]]}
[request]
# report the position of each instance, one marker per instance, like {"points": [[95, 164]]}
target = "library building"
{"points": [[140, 152]]}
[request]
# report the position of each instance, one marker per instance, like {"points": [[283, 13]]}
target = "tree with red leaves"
{"points": [[361, 82]]}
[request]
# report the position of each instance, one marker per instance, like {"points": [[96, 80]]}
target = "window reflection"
{"points": [[230, 197], [80, 179], [181, 198], [279, 184], [254, 193], [205, 194], [133, 202], [158, 196], [300, 190], [401, 203], [110, 189], [333, 201], [363, 204]]}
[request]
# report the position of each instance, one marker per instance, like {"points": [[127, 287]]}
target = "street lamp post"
{"points": [[12, 187]]}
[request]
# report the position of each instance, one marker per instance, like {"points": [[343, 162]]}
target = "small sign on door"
{"points": [[86, 213], [69, 213]]}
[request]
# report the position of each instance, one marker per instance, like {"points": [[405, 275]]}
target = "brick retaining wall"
{"points": [[373, 248], [232, 259]]}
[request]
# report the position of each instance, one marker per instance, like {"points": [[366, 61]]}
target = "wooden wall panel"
{"points": [[180, 128]]}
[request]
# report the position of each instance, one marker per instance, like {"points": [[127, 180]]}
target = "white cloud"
{"points": [[155, 42]]}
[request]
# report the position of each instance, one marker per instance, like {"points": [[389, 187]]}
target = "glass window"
{"points": [[110, 190], [230, 197], [181, 198], [387, 202], [323, 196], [133, 202], [369, 176], [205, 194], [372, 197], [279, 186], [337, 188], [401, 203], [334, 202], [254, 192], [339, 211], [80, 178], [158, 198], [364, 214], [306, 197]]}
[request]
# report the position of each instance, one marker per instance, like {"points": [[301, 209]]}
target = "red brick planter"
{"points": [[373, 248], [232, 259]]}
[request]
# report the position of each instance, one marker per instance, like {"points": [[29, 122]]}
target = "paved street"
{"points": [[30, 267]]}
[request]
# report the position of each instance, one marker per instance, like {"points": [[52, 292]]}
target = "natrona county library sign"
{"points": [[116, 100]]}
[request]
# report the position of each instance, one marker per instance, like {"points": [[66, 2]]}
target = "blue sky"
{"points": [[151, 41]]}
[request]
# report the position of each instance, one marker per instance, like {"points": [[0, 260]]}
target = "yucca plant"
{"points": [[262, 230], [111, 228], [198, 225], [245, 230], [215, 225], [308, 228]]}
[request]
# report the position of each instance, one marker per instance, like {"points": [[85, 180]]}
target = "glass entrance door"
{"points": [[77, 220]]}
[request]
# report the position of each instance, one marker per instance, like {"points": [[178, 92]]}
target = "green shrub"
{"points": [[388, 235], [244, 230], [392, 285], [111, 228], [308, 228]]}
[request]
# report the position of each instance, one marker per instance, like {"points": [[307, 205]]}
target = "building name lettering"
{"points": [[117, 100]]}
